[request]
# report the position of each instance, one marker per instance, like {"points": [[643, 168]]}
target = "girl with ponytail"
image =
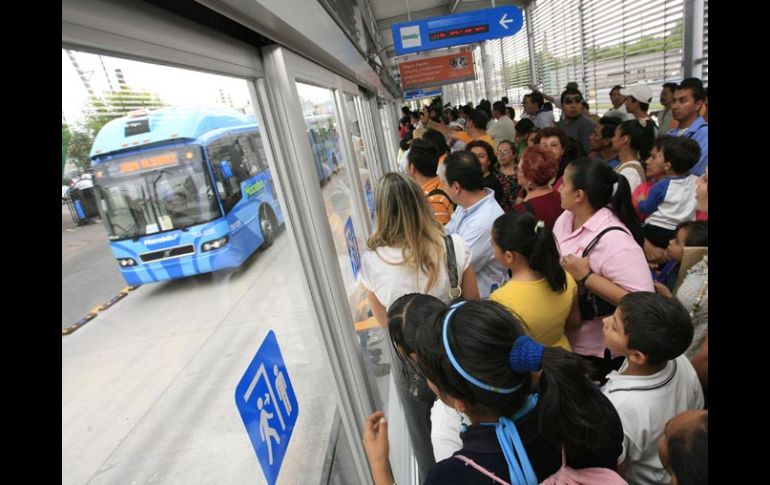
{"points": [[539, 290], [478, 359], [600, 240], [633, 143]]}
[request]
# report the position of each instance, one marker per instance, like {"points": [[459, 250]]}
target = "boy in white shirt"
{"points": [[656, 381]]}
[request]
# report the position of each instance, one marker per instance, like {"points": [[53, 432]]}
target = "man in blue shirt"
{"points": [[476, 211], [689, 97]]}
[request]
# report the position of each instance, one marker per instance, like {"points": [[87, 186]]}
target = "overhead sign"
{"points": [[420, 93], [461, 28], [268, 406], [437, 70]]}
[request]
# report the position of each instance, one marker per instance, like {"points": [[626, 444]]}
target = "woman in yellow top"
{"points": [[539, 291]]}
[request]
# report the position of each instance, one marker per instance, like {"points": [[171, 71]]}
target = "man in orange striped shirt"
{"points": [[423, 162], [475, 129]]}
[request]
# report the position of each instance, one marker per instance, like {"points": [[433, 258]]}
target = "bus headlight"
{"points": [[125, 262], [215, 244]]}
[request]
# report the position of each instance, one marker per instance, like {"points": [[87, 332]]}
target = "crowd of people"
{"points": [[545, 287]]}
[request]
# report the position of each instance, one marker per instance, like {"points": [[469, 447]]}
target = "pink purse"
{"points": [[583, 476]]}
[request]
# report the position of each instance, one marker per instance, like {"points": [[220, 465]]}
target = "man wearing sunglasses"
{"points": [[575, 124]]}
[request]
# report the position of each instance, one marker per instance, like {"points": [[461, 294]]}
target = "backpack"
{"points": [[438, 191], [583, 476], [636, 166], [564, 476]]}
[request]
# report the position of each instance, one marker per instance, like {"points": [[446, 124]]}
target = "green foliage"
{"points": [[114, 104], [98, 112], [79, 148], [65, 141], [518, 73]]}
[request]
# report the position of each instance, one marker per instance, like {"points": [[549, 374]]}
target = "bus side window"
{"points": [[225, 173], [238, 158], [255, 142], [250, 158]]}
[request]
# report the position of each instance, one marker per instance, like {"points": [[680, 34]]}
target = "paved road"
{"points": [[89, 272]]}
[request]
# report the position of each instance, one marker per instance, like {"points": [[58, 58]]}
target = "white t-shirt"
{"points": [[631, 174], [385, 275], [445, 425], [645, 404], [403, 162]]}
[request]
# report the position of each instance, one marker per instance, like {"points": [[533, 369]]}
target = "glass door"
{"points": [[334, 158], [148, 385], [361, 146]]}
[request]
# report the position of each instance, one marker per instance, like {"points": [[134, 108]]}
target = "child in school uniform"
{"points": [[656, 381]]}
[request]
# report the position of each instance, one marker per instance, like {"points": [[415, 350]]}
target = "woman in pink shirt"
{"points": [[594, 197]]}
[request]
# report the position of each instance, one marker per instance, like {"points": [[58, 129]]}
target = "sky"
{"points": [[174, 85]]}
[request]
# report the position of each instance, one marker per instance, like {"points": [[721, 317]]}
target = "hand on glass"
{"points": [[376, 438]]}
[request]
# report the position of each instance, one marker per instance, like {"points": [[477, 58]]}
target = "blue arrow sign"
{"points": [[420, 93], [268, 406], [461, 28]]}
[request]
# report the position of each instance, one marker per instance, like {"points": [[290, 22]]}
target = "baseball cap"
{"points": [[640, 92]]}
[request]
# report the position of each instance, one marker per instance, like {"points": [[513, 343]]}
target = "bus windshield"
{"points": [[155, 191]]}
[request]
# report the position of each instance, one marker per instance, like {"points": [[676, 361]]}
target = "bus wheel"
{"points": [[267, 226]]}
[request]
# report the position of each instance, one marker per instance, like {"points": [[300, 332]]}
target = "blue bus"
{"points": [[183, 191]]}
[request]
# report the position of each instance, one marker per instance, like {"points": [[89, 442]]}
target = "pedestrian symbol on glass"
{"points": [[265, 431], [268, 406], [280, 385]]}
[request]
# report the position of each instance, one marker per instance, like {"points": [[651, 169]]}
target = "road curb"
{"points": [[94, 312]]}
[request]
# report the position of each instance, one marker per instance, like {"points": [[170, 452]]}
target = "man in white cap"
{"points": [[638, 99]]}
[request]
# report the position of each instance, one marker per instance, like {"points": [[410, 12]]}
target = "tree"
{"points": [[65, 141], [114, 104], [79, 148], [98, 112]]}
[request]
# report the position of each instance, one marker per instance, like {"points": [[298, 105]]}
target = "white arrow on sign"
{"points": [[505, 21]]}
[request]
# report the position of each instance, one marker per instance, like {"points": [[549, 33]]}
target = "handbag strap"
{"points": [[451, 264], [481, 469], [595, 240]]}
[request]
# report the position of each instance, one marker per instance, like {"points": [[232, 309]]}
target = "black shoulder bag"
{"points": [[591, 305]]}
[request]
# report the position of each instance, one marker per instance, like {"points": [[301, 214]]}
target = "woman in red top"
{"points": [[537, 168]]}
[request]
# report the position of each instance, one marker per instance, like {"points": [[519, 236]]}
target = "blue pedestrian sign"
{"points": [[268, 406], [461, 28], [353, 253]]}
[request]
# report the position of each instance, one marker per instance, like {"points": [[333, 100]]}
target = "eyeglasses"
{"points": [[572, 99], [504, 152]]}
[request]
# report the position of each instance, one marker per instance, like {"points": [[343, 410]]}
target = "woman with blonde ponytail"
{"points": [[407, 251]]}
